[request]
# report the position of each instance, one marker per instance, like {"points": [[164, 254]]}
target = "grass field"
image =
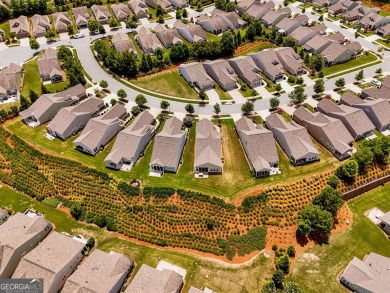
{"points": [[57, 87], [31, 78], [363, 60], [361, 239], [5, 27], [224, 96], [168, 83]]}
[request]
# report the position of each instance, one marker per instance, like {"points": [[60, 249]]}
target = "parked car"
{"points": [[79, 36], [376, 82]]}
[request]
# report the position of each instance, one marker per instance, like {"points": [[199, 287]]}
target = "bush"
{"points": [[291, 251], [283, 264], [159, 192], [278, 278], [91, 242], [333, 181], [274, 247], [313, 220], [100, 221], [76, 211]]}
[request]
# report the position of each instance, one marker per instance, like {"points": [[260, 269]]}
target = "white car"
{"points": [[376, 82], [79, 36]]}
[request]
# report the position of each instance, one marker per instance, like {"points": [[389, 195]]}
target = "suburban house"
{"points": [[100, 130], [165, 5], [20, 26], [121, 11], [48, 105], [384, 222], [372, 274], [208, 149], [303, 34], [343, 6], [246, 69], [179, 3], [53, 260], [168, 147], [169, 38], [319, 28], [287, 25], [303, 19], [373, 21], [259, 146], [328, 131], [81, 16], [61, 21], [268, 62], [40, 24], [360, 12], [324, 3], [213, 25], [139, 8], [151, 280], [70, 120], [290, 60], [122, 43], [49, 66], [317, 44], [232, 19], [100, 272], [354, 119], [383, 92], [257, 10], [10, 80], [148, 41], [131, 142], [101, 13], [377, 110], [336, 53], [355, 47], [193, 33], [336, 37], [3, 215], [196, 76], [293, 139], [222, 73], [383, 31], [272, 18], [18, 236], [244, 5]]}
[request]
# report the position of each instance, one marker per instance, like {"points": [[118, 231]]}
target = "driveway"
{"points": [[213, 97], [263, 92], [25, 42], [64, 36], [237, 97], [288, 88], [307, 80]]}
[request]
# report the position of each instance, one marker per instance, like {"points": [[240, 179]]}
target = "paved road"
{"points": [[23, 53]]}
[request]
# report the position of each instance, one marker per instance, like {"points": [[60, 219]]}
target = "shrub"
{"points": [[291, 251], [274, 247], [283, 264], [76, 211], [333, 181], [278, 278], [100, 221]]}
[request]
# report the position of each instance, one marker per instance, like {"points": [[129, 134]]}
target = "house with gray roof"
{"points": [[343, 6], [122, 43], [165, 5], [139, 8], [40, 25], [383, 31], [232, 19], [336, 53], [168, 147], [328, 131], [259, 146], [49, 66], [53, 260], [213, 25], [18, 236], [336, 37], [10, 80], [258, 9], [71, 120], [303, 34], [61, 21], [148, 41], [121, 11], [208, 149], [222, 73], [294, 140], [354, 119], [101, 13], [324, 3], [287, 25], [3, 215], [100, 272], [246, 69], [196, 76], [269, 64], [355, 47], [290, 60], [48, 105], [81, 16], [317, 44], [191, 32], [20, 26], [272, 18], [151, 280], [373, 21], [243, 6], [131, 142], [179, 3], [372, 274], [384, 222], [169, 38], [376, 109], [100, 130]]}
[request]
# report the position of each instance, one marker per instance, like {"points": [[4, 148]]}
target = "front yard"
{"points": [[355, 63]]}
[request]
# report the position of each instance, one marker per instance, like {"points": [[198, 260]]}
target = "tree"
{"points": [[210, 223], [239, 38], [135, 110], [278, 87], [313, 220], [140, 100], [333, 181], [24, 103], [250, 32], [70, 29], [93, 25], [230, 6], [319, 86], [283, 264], [184, 13], [318, 62], [329, 200], [91, 242], [164, 104], [113, 22], [49, 34], [34, 44], [227, 43], [100, 221], [220, 4], [122, 94], [347, 170], [292, 287], [113, 102], [278, 278], [340, 82], [33, 96], [274, 103], [202, 95], [289, 42], [291, 251], [178, 14], [297, 95], [160, 54], [248, 107], [360, 75], [378, 71], [269, 287], [76, 211], [44, 89], [364, 157], [103, 83], [159, 11], [217, 109], [189, 108]]}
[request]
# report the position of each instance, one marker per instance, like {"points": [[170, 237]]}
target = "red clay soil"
{"points": [[247, 47], [381, 4]]}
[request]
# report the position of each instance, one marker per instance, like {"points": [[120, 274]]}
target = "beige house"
{"points": [[18, 236], [121, 11], [246, 69], [122, 43], [165, 5], [169, 38], [100, 272], [193, 33], [213, 25], [20, 26], [303, 34], [139, 8], [222, 73], [40, 25], [131, 142], [232, 19], [272, 17], [208, 149], [49, 66], [336, 53], [61, 21], [101, 13], [196, 76], [269, 64], [258, 9], [53, 260], [10, 80], [148, 41], [81, 16], [290, 60]]}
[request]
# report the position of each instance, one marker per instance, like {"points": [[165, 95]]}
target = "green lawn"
{"points": [[57, 87], [211, 37], [168, 83], [31, 78], [220, 277], [360, 61], [359, 240], [222, 94], [5, 27]]}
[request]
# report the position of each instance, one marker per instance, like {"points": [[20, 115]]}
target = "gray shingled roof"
{"points": [[61, 20], [40, 23], [208, 144], [270, 60], [317, 43], [120, 10], [197, 73], [122, 43], [224, 73], [11, 77], [19, 25], [246, 67], [169, 37], [333, 51], [81, 14], [48, 61]]}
